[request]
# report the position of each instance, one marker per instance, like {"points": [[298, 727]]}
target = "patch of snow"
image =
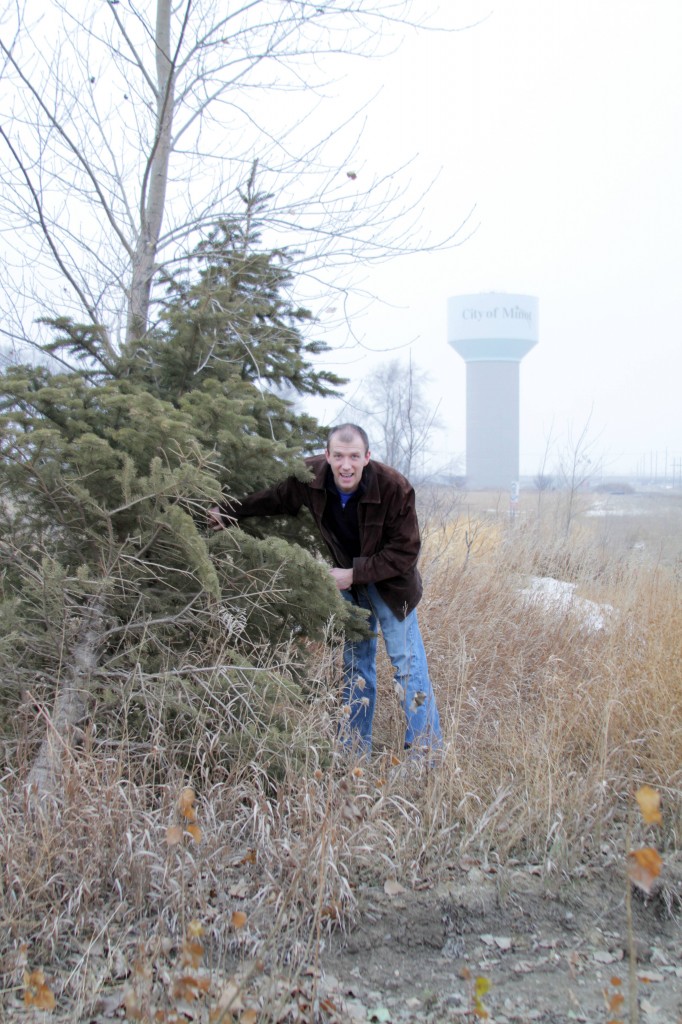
{"points": [[559, 596], [603, 508], [608, 512]]}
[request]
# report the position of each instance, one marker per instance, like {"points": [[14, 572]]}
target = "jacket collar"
{"points": [[369, 485]]}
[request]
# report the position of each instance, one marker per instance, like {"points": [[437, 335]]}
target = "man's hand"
{"points": [[343, 578], [214, 518]]}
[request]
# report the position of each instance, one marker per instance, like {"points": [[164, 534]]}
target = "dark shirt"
{"points": [[342, 520]]}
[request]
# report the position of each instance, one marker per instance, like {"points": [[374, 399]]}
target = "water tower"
{"points": [[492, 332]]}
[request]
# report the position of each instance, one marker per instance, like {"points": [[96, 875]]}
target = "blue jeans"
{"points": [[405, 650]]}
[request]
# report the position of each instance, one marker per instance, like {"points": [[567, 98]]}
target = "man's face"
{"points": [[347, 460]]}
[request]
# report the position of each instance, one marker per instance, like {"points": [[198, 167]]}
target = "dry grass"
{"points": [[563, 718], [550, 725]]}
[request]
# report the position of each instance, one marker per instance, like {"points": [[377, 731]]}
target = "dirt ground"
{"points": [[550, 953], [546, 950]]}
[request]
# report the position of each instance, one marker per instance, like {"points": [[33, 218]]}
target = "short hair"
{"points": [[348, 432]]}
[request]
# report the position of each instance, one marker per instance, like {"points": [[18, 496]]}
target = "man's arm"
{"points": [[282, 499]]}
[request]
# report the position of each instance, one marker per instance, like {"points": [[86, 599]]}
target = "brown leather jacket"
{"points": [[387, 518]]}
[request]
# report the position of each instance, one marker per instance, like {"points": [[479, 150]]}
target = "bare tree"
{"points": [[576, 467], [129, 131], [399, 414]]}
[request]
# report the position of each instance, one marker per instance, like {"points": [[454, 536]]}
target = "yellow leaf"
{"points": [[192, 953], [186, 804], [615, 1002], [37, 992], [186, 798], [358, 773], [649, 800], [45, 999], [188, 988], [644, 867], [331, 911], [195, 929], [238, 919], [482, 986], [249, 1017], [174, 835], [195, 832]]}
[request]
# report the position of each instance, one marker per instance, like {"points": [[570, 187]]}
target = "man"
{"points": [[366, 514]]}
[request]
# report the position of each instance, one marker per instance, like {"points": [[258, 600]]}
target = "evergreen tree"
{"points": [[113, 593]]}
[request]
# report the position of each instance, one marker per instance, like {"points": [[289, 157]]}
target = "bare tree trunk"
{"points": [[70, 706], [153, 197]]}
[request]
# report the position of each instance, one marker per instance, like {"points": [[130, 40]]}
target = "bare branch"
{"points": [[46, 227], [138, 131], [75, 149]]}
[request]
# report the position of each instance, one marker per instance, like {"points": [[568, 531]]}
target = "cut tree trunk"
{"points": [[70, 706]]}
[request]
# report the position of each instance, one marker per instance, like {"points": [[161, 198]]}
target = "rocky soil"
{"points": [[507, 945], [549, 952]]}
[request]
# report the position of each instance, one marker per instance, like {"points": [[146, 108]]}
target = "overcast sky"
{"points": [[561, 125]]}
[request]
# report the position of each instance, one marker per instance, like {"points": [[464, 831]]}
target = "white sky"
{"points": [[561, 122]]}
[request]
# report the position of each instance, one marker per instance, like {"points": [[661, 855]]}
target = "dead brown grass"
{"points": [[550, 725], [561, 717]]}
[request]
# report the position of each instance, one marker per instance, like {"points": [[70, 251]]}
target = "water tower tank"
{"points": [[492, 332]]}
